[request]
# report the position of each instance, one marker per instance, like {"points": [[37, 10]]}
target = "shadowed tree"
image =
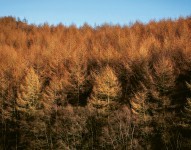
{"points": [[54, 99], [186, 121], [188, 104], [5, 113], [78, 85]]}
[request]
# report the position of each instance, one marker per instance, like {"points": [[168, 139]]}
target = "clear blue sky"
{"points": [[94, 11]]}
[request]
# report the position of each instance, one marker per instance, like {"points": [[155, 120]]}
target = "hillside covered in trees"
{"points": [[104, 88]]}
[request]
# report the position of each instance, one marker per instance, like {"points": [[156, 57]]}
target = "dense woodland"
{"points": [[107, 87]]}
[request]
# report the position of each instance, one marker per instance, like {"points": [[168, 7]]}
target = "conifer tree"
{"points": [[54, 98], [189, 99], [29, 93], [185, 123], [28, 106], [138, 102], [140, 108], [3, 111], [78, 86], [106, 91], [164, 78], [163, 108], [187, 108], [55, 93]]}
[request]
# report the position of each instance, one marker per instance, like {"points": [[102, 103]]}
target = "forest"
{"points": [[107, 87]]}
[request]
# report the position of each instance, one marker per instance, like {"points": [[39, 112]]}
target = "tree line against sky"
{"points": [[107, 87]]}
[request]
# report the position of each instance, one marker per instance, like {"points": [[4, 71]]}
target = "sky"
{"points": [[94, 12]]}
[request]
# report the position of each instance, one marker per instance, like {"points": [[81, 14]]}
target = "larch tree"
{"points": [[28, 106], [140, 108], [187, 108], [164, 78], [78, 87], [55, 93], [55, 100], [138, 102], [4, 111], [106, 91], [29, 93], [162, 104], [163, 83], [185, 123]]}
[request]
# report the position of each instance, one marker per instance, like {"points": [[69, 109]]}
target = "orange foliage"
{"points": [[156, 56]]}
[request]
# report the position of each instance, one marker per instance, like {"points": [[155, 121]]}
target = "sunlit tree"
{"points": [[106, 91], [28, 104]]}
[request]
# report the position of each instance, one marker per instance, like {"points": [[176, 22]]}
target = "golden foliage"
{"points": [[29, 93], [143, 66], [106, 90]]}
